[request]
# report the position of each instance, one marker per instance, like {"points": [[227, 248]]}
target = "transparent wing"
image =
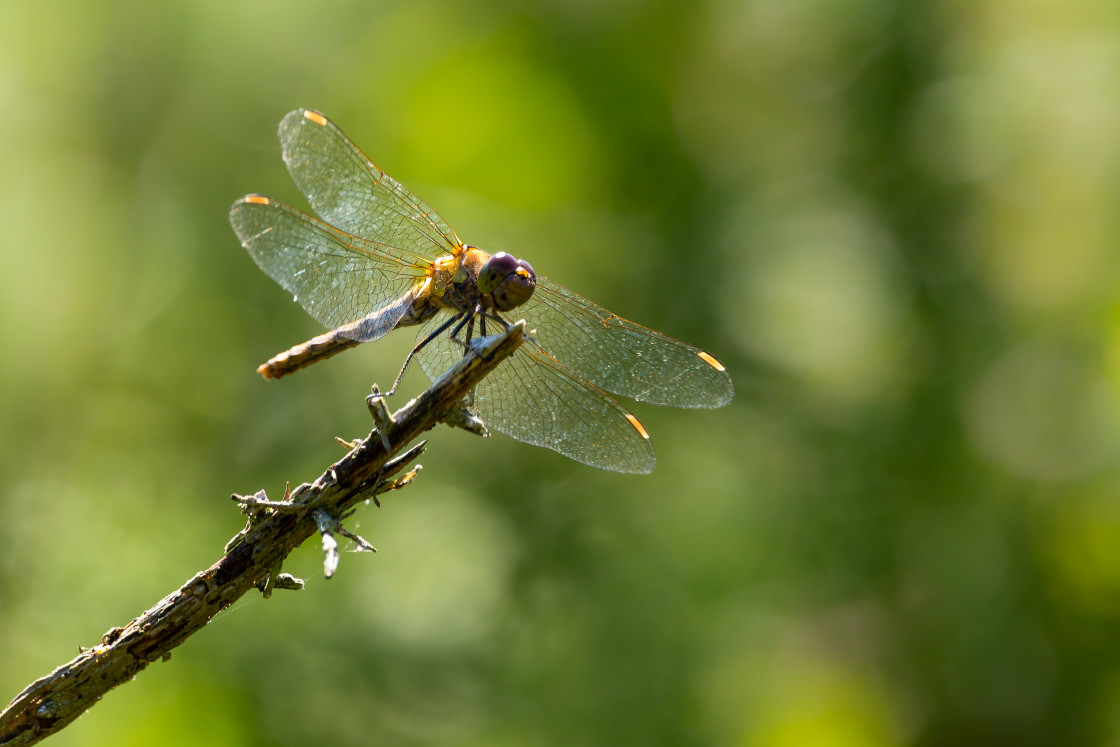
{"points": [[622, 357], [348, 191], [535, 399], [336, 277]]}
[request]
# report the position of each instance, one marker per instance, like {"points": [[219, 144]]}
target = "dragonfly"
{"points": [[378, 258]]}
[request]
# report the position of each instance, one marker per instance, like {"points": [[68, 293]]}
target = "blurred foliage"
{"points": [[894, 221]]}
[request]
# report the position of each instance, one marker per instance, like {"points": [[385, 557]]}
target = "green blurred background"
{"points": [[895, 222]]}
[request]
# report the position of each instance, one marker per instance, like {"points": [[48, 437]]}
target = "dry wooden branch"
{"points": [[253, 557]]}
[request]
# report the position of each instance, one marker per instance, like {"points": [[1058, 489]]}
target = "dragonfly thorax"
{"points": [[475, 279]]}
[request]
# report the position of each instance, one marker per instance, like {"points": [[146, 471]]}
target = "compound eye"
{"points": [[508, 280], [503, 262], [516, 288], [495, 270]]}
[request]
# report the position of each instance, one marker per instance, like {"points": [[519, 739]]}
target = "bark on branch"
{"points": [[253, 557]]}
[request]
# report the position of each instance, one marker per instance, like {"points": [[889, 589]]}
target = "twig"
{"points": [[253, 557]]}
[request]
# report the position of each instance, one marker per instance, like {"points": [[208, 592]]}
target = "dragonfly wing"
{"points": [[620, 356], [336, 277], [535, 399], [348, 191]]}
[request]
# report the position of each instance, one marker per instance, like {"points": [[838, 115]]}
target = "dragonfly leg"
{"points": [[470, 335], [497, 318], [420, 346], [469, 322], [454, 336], [531, 334], [482, 317]]}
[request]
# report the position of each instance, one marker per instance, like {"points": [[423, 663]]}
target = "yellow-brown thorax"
{"points": [[453, 281], [471, 282]]}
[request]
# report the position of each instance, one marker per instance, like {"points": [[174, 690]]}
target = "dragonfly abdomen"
{"points": [[303, 355]]}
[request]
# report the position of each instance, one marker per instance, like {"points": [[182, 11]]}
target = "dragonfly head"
{"points": [[507, 280]]}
